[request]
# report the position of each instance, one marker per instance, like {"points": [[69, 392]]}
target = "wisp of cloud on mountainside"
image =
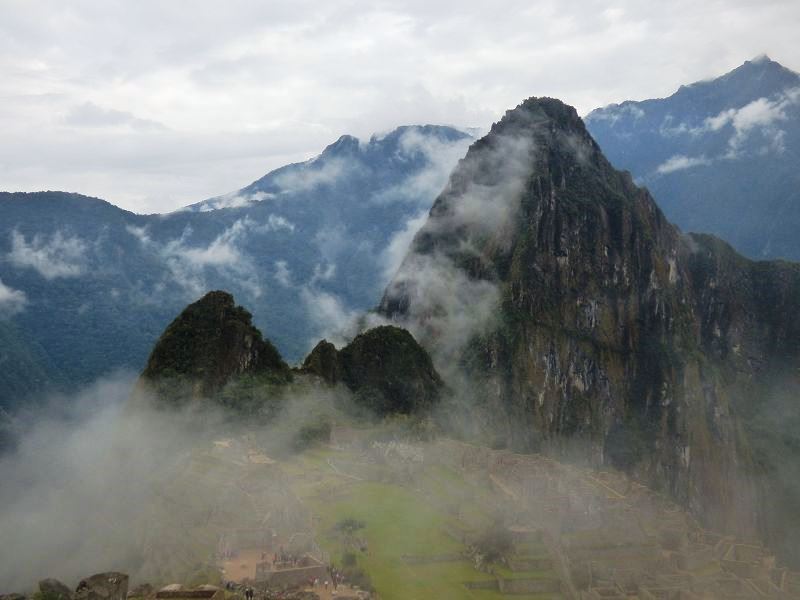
{"points": [[446, 303]]}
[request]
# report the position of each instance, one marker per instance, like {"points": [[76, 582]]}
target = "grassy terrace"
{"points": [[399, 520]]}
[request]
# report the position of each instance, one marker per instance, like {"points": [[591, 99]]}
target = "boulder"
{"points": [[53, 589], [103, 586], [141, 591]]}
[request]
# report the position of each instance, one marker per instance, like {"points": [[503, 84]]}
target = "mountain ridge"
{"points": [[719, 155]]}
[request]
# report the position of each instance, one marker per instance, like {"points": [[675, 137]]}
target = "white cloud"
{"points": [[187, 263], [615, 112], [333, 319], [313, 174], [763, 114], [423, 186], [332, 240], [323, 273], [396, 250], [680, 162], [283, 274], [276, 223], [443, 305], [234, 200], [59, 255], [11, 301]]}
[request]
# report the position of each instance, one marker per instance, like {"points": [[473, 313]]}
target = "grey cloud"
{"points": [[89, 114]]}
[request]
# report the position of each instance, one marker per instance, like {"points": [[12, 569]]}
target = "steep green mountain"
{"points": [[210, 342], [720, 156], [212, 351], [385, 367], [574, 318], [307, 246]]}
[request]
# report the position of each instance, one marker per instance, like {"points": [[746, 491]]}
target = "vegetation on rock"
{"points": [[386, 369], [208, 344]]}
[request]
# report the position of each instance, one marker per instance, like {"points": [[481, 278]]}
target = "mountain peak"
{"points": [[761, 64], [212, 340], [536, 111], [756, 78], [760, 59], [594, 319], [345, 145]]}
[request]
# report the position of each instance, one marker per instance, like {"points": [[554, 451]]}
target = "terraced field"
{"points": [[409, 550]]}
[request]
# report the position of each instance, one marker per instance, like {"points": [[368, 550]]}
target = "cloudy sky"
{"points": [[153, 105]]}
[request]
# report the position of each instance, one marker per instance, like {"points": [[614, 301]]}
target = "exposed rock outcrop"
{"points": [[583, 322]]}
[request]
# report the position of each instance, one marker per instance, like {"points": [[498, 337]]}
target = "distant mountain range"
{"points": [[720, 156], [86, 288]]}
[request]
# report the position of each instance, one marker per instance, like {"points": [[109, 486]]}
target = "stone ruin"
{"points": [[610, 538], [271, 560], [179, 592]]}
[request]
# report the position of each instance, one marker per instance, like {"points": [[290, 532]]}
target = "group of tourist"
{"points": [[249, 593], [334, 579]]}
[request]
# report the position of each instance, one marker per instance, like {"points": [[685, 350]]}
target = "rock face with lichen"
{"points": [[580, 321], [385, 367]]}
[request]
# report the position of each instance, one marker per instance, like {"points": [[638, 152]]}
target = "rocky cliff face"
{"points": [[579, 320], [210, 342]]}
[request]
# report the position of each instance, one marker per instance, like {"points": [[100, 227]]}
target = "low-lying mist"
{"points": [[93, 481]]}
